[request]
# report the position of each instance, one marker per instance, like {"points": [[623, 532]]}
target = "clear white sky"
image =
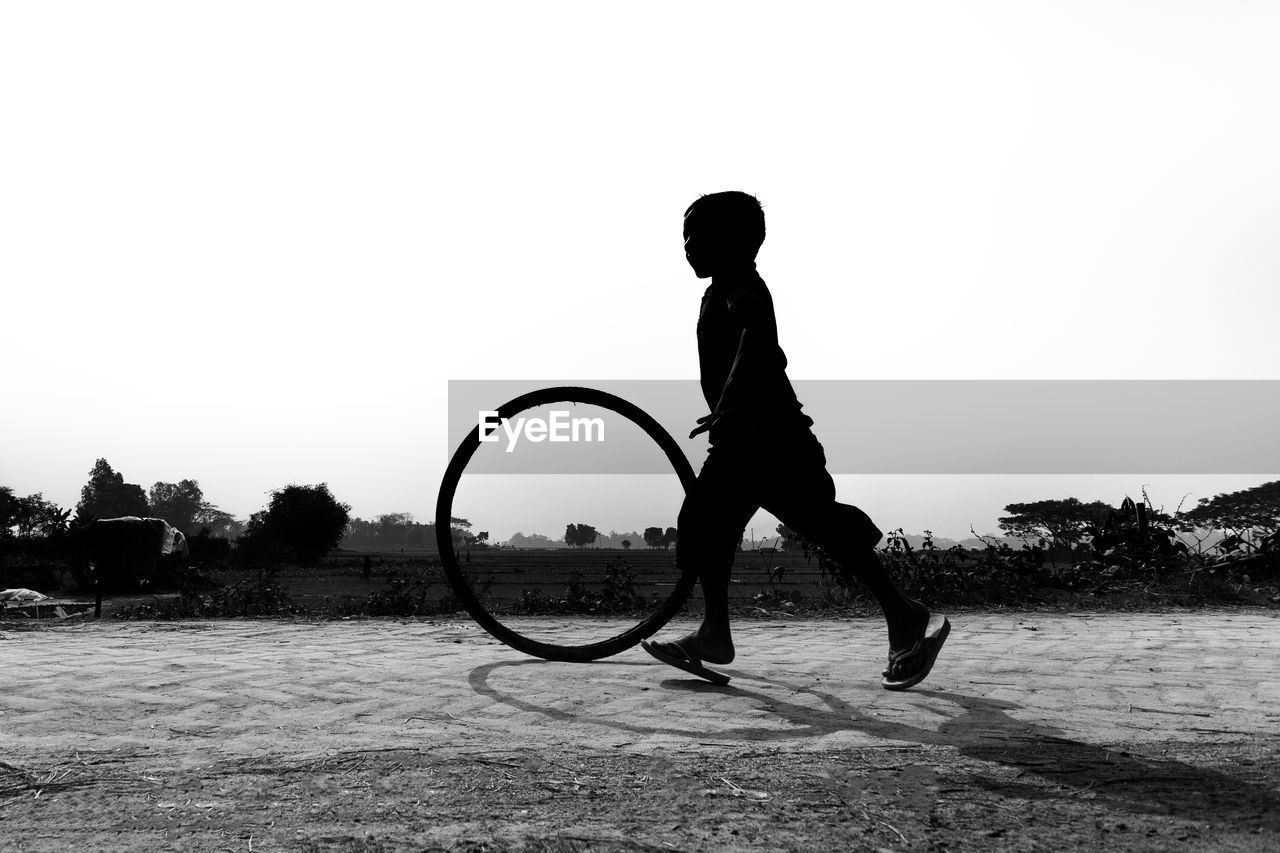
{"points": [[248, 243]]}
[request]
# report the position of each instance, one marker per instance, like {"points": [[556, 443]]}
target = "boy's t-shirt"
{"points": [[763, 401]]}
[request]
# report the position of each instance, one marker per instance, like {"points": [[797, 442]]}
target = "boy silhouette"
{"points": [[763, 454]]}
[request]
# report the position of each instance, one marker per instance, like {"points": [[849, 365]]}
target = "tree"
{"points": [[577, 535], [399, 530], [30, 517], [393, 524], [182, 504], [533, 540], [1063, 522], [220, 524], [178, 503], [653, 537], [360, 533], [8, 511], [790, 538], [107, 495], [459, 531], [626, 544], [669, 537], [393, 529], [1251, 512], [37, 517], [302, 523], [419, 535]]}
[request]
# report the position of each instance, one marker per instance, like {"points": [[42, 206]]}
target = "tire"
{"points": [[453, 571]]}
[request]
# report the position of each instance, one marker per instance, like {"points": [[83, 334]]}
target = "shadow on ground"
{"points": [[980, 729]]}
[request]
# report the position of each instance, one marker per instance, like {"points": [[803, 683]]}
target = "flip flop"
{"points": [[926, 648], [685, 660]]}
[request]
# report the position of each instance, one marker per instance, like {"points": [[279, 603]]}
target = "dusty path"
{"points": [[1034, 732]]}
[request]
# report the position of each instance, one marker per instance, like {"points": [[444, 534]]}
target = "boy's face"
{"points": [[707, 249]]}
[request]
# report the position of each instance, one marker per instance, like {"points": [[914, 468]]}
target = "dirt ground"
{"points": [[1035, 732]]}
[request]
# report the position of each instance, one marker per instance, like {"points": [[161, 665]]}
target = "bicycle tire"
{"points": [[449, 557]]}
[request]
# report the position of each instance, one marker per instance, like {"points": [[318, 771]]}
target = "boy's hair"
{"points": [[732, 213]]}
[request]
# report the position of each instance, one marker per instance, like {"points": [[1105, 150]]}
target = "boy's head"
{"points": [[723, 232]]}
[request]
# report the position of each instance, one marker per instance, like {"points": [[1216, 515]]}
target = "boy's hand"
{"points": [[706, 422]]}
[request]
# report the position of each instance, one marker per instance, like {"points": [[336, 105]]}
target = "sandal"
{"points": [[923, 652], [674, 654]]}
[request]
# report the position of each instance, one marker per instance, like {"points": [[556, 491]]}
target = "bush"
{"points": [[206, 548], [301, 524], [37, 563], [996, 574], [405, 595], [199, 596], [618, 595]]}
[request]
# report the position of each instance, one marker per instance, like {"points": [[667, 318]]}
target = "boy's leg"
{"points": [[712, 518], [848, 537], [803, 496]]}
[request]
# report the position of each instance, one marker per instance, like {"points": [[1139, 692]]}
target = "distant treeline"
{"points": [[1246, 522], [612, 539], [396, 530]]}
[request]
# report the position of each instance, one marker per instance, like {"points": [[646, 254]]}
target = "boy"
{"points": [[764, 454]]}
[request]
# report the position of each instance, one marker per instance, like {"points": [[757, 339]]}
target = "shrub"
{"points": [[618, 594], [301, 524], [200, 596]]}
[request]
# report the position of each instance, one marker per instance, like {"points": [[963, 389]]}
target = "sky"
{"points": [[250, 243]]}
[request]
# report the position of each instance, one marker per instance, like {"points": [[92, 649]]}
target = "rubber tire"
{"points": [[449, 557]]}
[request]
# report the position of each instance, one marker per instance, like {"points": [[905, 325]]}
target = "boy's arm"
{"points": [[730, 393]]}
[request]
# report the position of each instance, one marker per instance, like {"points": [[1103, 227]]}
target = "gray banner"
{"points": [[909, 426]]}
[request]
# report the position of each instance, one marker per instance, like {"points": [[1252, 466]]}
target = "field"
{"points": [[505, 576]]}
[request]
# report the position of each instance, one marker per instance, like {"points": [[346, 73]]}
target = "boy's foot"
{"points": [[679, 654], [711, 646], [908, 666], [903, 632]]}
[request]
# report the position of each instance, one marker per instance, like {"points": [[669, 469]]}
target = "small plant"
{"points": [[535, 601], [262, 596], [620, 591], [998, 574], [403, 596], [775, 573], [617, 595]]}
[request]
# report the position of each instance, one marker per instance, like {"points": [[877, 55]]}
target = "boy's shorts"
{"points": [[784, 472]]}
